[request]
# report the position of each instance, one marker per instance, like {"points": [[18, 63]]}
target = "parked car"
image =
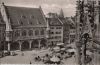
{"points": [[13, 53], [1, 54], [6, 53]]}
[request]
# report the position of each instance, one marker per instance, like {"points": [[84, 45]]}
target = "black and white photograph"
{"points": [[49, 32]]}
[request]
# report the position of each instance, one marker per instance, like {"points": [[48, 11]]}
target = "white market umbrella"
{"points": [[60, 44], [58, 54], [71, 50], [55, 59], [62, 48], [56, 48]]}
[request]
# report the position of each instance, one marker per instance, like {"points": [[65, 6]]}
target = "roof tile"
{"points": [[23, 15]]}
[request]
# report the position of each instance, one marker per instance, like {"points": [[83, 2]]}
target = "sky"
{"points": [[68, 6]]}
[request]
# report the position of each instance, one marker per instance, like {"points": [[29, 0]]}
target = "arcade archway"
{"points": [[3, 46], [15, 46], [34, 44], [25, 45], [43, 43]]}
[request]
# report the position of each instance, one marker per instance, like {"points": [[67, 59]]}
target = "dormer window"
{"points": [[20, 22], [38, 22], [23, 16]]}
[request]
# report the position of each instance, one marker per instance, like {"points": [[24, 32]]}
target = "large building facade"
{"points": [[25, 28], [56, 29], [59, 28]]}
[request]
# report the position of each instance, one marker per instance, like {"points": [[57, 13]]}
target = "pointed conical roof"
{"points": [[61, 14]]}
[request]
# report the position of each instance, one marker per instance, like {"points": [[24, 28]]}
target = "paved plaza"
{"points": [[29, 57]]}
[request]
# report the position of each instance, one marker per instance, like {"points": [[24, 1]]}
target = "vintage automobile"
{"points": [[1, 54]]}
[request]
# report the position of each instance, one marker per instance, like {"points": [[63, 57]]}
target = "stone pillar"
{"points": [[47, 42], [39, 42], [8, 39], [8, 46], [30, 44], [20, 45]]}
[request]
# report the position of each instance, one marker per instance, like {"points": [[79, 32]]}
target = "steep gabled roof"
{"points": [[24, 16], [71, 22], [63, 20]]}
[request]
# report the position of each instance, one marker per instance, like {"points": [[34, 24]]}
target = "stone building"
{"points": [[25, 28], [72, 30], [59, 28], [56, 29], [66, 27]]}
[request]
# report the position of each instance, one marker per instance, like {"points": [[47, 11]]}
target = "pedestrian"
{"points": [[30, 62], [22, 53]]}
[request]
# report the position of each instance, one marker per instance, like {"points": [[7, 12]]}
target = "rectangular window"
{"points": [[51, 32], [58, 27], [57, 37], [58, 32], [52, 27]]}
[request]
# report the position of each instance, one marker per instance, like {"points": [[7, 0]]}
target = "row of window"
{"points": [[55, 37], [72, 31], [56, 27], [55, 32], [30, 32], [72, 36]]}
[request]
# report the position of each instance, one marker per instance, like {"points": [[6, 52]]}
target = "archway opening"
{"points": [[15, 46], [43, 43], [2, 46], [25, 45], [35, 44]]}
